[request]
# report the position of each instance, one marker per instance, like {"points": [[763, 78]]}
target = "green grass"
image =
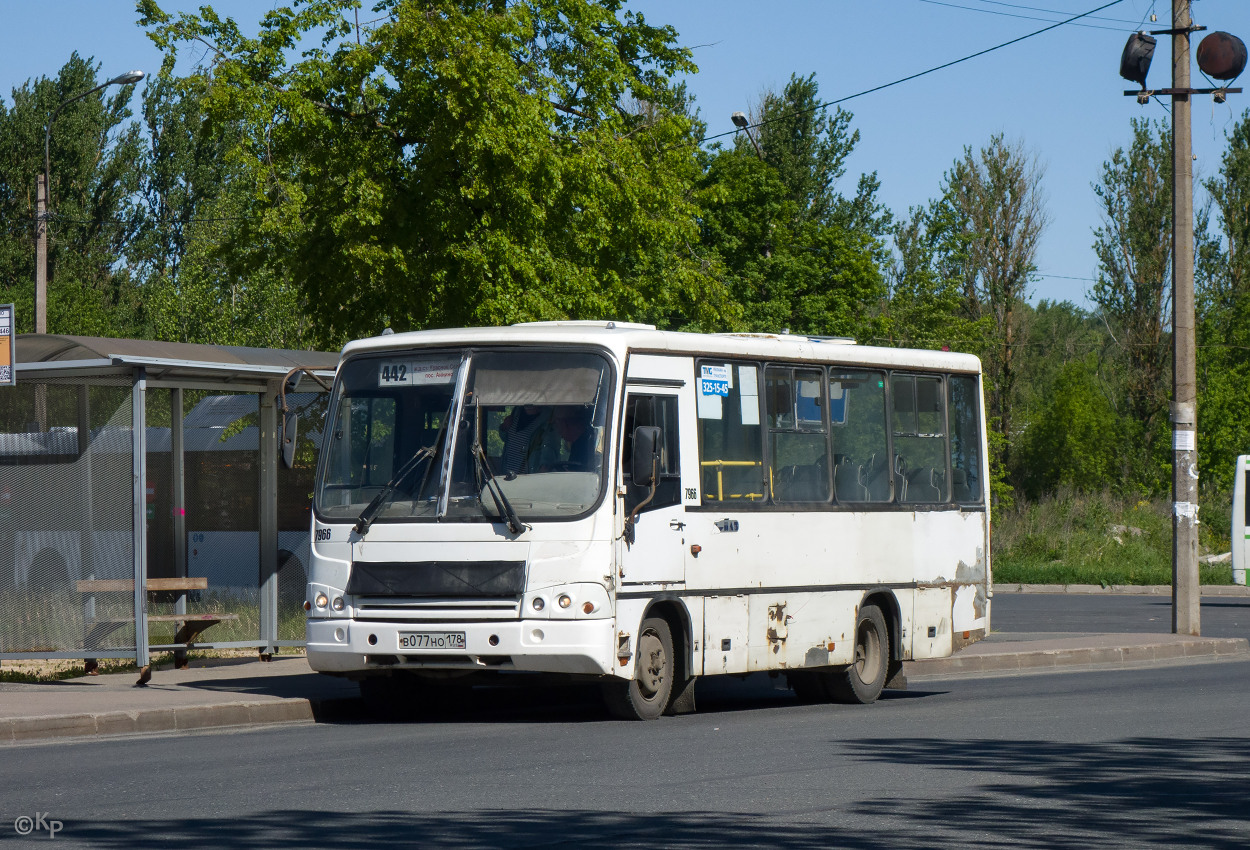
{"points": [[1071, 538], [52, 670]]}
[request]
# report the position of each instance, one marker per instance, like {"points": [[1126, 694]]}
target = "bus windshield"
{"points": [[529, 425]]}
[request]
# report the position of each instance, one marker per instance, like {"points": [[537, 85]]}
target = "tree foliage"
{"points": [[1073, 442], [1222, 278], [795, 253], [460, 162], [1134, 250], [93, 154], [994, 200]]}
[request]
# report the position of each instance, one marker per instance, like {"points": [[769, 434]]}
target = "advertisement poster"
{"points": [[8, 347]]}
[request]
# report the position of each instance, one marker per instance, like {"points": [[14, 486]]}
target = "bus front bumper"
{"points": [[346, 646]]}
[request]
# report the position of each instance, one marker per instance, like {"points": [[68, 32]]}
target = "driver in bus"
{"points": [[522, 432]]}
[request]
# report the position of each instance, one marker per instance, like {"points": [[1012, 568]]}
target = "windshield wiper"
{"points": [[502, 505], [388, 490]]}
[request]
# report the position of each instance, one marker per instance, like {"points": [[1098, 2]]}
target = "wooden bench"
{"points": [[190, 626]]}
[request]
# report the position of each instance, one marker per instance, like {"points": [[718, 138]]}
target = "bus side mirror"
{"points": [[645, 462], [290, 425]]}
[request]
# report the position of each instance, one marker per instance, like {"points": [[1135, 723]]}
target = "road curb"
{"points": [[1121, 589], [986, 658], [17, 730], [1080, 656]]}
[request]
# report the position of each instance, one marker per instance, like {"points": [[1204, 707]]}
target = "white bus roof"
{"points": [[622, 337]]}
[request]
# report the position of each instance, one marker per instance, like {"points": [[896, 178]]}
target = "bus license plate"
{"points": [[431, 640]]}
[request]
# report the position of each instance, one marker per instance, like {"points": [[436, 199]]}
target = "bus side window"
{"points": [[799, 451], [965, 434], [919, 421], [731, 448], [862, 467], [660, 411]]}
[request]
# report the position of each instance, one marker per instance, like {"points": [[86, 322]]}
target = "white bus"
{"points": [[1241, 519], [606, 500]]}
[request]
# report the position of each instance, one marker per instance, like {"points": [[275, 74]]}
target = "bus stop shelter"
{"points": [[145, 504]]}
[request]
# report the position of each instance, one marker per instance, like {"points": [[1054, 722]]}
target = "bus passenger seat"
{"points": [[848, 481], [876, 480], [921, 486]]}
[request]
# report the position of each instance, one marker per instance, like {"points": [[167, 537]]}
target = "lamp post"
{"points": [[41, 201], [740, 121]]}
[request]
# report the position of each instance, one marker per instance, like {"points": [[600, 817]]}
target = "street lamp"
{"points": [[41, 200], [740, 121]]}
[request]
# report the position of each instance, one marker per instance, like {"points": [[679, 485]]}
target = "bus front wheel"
{"points": [[862, 681], [646, 695]]}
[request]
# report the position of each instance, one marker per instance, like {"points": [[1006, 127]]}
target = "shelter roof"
{"points": [[167, 359]]}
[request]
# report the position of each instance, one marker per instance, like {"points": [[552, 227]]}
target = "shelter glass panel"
{"points": [[66, 516]]}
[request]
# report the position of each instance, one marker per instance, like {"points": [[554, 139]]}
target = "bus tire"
{"points": [[862, 681], [646, 695]]}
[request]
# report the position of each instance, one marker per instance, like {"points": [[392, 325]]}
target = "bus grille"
{"points": [[435, 610], [419, 580]]}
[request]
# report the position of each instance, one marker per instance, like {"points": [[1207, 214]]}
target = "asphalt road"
{"points": [[1080, 613], [1133, 758]]}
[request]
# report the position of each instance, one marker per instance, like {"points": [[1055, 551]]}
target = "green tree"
{"points": [[1072, 443], [994, 200], [794, 252], [193, 199], [1222, 278], [1134, 250], [460, 162], [924, 307], [93, 153]]}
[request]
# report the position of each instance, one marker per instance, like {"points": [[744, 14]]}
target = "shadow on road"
{"points": [[558, 701], [1137, 792]]}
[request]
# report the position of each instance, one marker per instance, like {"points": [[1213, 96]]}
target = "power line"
{"points": [[1050, 11], [1024, 17], [919, 74]]}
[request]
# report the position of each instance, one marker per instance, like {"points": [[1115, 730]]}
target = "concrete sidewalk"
{"points": [[1219, 590], [228, 693]]}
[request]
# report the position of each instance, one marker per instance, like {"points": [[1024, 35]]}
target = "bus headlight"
{"points": [[539, 603], [337, 605], [565, 600], [322, 601]]}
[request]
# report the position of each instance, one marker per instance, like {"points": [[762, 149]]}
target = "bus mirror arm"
{"points": [[645, 471], [290, 419]]}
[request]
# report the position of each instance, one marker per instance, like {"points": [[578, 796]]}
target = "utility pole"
{"points": [[1186, 599], [1222, 56], [41, 254]]}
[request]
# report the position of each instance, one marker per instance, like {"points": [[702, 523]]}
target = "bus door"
{"points": [[657, 553]]}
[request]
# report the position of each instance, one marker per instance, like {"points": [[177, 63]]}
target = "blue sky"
{"points": [[1058, 93]]}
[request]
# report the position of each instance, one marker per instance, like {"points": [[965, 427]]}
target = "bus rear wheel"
{"points": [[646, 695], [862, 681]]}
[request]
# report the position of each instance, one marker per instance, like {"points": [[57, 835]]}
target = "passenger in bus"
{"points": [[522, 431], [573, 424]]}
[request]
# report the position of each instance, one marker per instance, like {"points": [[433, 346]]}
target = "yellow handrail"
{"points": [[720, 477]]}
